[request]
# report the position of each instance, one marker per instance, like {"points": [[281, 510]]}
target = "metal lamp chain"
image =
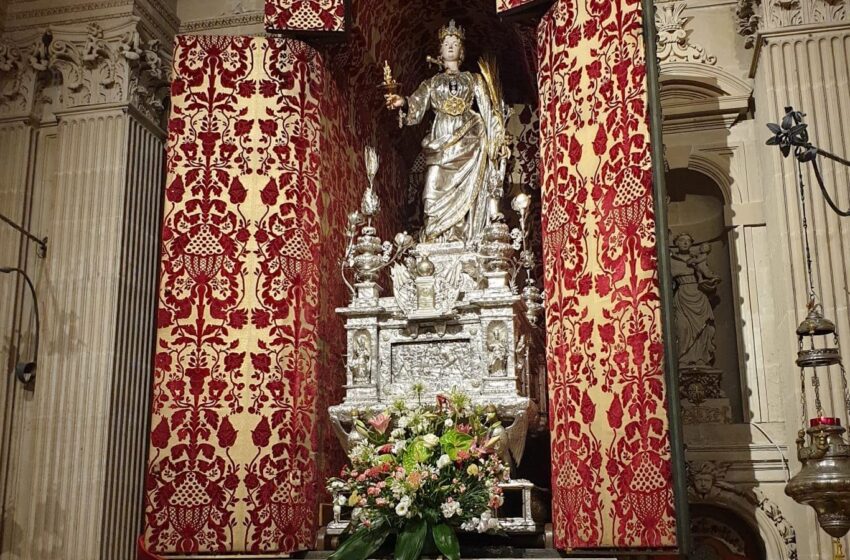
{"points": [[805, 223]]}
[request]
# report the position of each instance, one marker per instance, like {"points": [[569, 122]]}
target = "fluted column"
{"points": [[801, 60], [15, 139], [75, 441]]}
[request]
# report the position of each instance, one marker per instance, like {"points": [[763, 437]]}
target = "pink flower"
{"points": [[380, 422], [415, 479], [373, 491], [380, 502], [361, 478]]}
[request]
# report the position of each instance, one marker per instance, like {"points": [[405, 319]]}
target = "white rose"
{"points": [[430, 440], [443, 461], [449, 422]]}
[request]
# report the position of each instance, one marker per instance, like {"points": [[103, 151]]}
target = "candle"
{"points": [[824, 421]]}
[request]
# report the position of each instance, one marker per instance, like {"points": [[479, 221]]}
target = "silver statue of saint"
{"points": [[465, 151]]}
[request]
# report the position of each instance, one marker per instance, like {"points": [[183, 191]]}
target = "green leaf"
{"points": [[409, 544], [361, 544], [446, 540], [454, 441], [416, 452]]}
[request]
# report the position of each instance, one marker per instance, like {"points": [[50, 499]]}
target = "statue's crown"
{"points": [[452, 29]]}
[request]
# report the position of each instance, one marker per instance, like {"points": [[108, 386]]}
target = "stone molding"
{"points": [[225, 22], [673, 40], [698, 96], [93, 65], [157, 19], [759, 16], [707, 485]]}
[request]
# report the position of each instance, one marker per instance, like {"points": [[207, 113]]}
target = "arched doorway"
{"points": [[720, 534]]}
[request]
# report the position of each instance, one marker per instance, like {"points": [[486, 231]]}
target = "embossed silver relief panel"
{"points": [[440, 366]]}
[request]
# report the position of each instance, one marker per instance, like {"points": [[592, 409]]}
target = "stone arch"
{"points": [[706, 485]]}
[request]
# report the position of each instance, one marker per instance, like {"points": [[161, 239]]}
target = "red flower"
{"points": [[237, 191], [243, 127], [226, 433], [161, 435], [163, 360], [261, 362], [262, 433], [269, 193], [261, 318], [268, 127]]}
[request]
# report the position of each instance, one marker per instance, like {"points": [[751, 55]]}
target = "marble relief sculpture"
{"points": [[459, 315]]}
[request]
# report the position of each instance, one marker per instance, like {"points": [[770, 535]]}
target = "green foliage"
{"points": [[417, 452], [446, 541], [454, 441], [409, 544], [362, 544]]}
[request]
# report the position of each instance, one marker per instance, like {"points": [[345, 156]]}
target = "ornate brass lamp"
{"points": [[824, 480], [822, 444]]}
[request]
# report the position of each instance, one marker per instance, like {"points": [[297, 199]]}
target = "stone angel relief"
{"points": [[466, 150]]}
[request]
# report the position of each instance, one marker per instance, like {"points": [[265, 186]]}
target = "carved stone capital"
{"points": [[756, 16], [91, 64], [673, 40]]}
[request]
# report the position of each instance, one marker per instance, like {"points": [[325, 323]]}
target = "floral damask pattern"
{"points": [[612, 479], [503, 6], [305, 15], [251, 119], [232, 464]]}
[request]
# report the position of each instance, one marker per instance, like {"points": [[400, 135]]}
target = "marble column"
{"points": [[77, 438], [801, 59]]}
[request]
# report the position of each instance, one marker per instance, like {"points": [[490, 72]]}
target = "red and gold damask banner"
{"points": [[310, 16], [234, 429], [611, 474], [507, 6]]}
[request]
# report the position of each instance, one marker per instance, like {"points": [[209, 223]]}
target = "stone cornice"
{"points": [[156, 16], [239, 20]]}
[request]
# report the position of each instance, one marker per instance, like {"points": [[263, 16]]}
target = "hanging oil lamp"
{"points": [[822, 444]]}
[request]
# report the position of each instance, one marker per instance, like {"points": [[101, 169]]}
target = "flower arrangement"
{"points": [[422, 473]]}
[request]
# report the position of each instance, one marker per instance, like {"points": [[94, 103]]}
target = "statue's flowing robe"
{"points": [[457, 154], [694, 317]]}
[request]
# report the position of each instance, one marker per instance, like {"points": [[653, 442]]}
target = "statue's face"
{"points": [[683, 243], [451, 49]]}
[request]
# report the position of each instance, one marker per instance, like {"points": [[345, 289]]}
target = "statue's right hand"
{"points": [[394, 101]]}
